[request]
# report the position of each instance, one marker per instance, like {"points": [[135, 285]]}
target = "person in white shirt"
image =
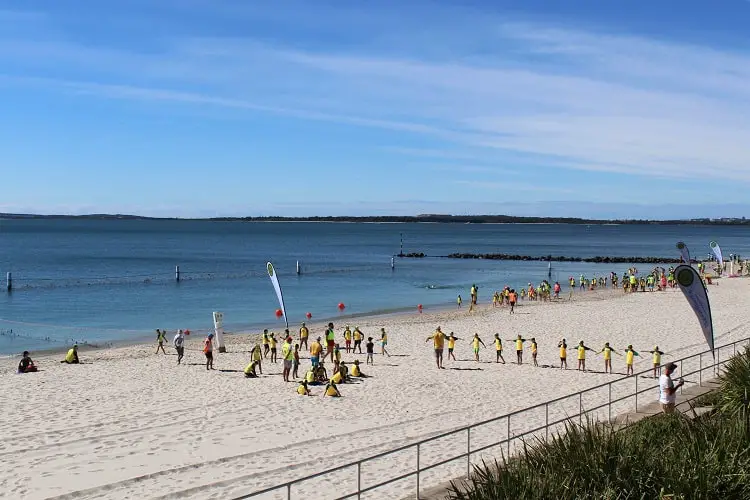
{"points": [[179, 345], [668, 389]]}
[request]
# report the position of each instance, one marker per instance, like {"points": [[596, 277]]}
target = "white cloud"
{"points": [[573, 99]]}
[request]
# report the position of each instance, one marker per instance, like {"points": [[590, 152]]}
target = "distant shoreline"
{"points": [[428, 218]]}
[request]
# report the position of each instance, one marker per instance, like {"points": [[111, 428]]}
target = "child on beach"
{"points": [[257, 356], [266, 342], [295, 362], [370, 351], [347, 338], [332, 390], [26, 365], [272, 345], [563, 354], [459, 300], [383, 342], [533, 350], [475, 344], [657, 354], [452, 345], [519, 349], [304, 333], [498, 349], [356, 372], [629, 354], [208, 350], [607, 350], [71, 358], [303, 390], [582, 355], [179, 345], [161, 337], [250, 369], [512, 299], [358, 336]]}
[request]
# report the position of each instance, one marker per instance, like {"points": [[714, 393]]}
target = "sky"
{"points": [[201, 108]]}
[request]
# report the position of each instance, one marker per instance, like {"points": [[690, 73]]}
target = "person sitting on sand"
{"points": [[72, 357], [356, 372], [582, 355], [250, 369], [303, 390], [321, 375], [26, 365], [332, 390], [310, 377], [338, 377]]}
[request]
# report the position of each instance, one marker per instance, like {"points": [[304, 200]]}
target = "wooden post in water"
{"points": [[177, 273], [9, 282]]}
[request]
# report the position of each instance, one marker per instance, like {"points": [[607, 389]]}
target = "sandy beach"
{"points": [[132, 424]]}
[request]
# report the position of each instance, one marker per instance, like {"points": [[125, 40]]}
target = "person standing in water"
{"points": [[304, 333], [629, 355], [179, 345], [438, 341], [563, 346], [475, 345], [607, 351], [208, 350], [582, 355], [383, 342], [161, 337], [499, 349]]}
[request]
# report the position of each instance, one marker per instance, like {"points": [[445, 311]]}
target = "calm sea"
{"points": [[107, 281]]}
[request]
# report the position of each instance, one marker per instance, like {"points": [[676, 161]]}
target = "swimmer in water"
{"points": [[499, 349]]}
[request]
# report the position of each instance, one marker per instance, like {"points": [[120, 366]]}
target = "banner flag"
{"points": [[219, 330], [684, 252], [277, 287], [717, 251], [697, 296]]}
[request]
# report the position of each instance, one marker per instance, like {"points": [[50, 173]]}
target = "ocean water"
{"points": [[102, 281]]}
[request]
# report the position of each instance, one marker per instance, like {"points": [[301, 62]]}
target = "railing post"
{"points": [[580, 408], [700, 370], [468, 453], [417, 471], [289, 491], [636, 393], [508, 436], [609, 404], [718, 360], [546, 421], [359, 480], [681, 372]]}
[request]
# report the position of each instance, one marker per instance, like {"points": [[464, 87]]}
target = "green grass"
{"points": [[660, 457]]}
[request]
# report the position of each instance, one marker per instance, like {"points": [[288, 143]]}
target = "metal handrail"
{"points": [[507, 440]]}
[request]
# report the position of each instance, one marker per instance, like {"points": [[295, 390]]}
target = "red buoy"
{"points": [[279, 313], [341, 306], [308, 315]]}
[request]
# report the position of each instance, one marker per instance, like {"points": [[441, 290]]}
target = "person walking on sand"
{"points": [[358, 336], [629, 355], [519, 349], [582, 355], [161, 337], [667, 389], [657, 354], [287, 355], [208, 350], [533, 350], [563, 346], [607, 351], [499, 349], [370, 351], [383, 342], [475, 345], [451, 346], [438, 342], [179, 345], [303, 334], [330, 341]]}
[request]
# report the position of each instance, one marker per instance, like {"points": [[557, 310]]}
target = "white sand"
{"points": [[135, 425]]}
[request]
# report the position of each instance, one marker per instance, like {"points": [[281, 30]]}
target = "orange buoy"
{"points": [[279, 313]]}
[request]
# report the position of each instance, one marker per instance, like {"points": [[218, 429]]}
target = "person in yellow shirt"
{"points": [[657, 354], [358, 336], [71, 357], [563, 346], [347, 338], [315, 349], [475, 345], [310, 377], [356, 372], [438, 341], [337, 378], [304, 333], [272, 344], [459, 301], [303, 390], [533, 350], [287, 354], [499, 349], [582, 355], [331, 390], [266, 344], [250, 369], [607, 351], [452, 345], [629, 355], [256, 355], [519, 349]]}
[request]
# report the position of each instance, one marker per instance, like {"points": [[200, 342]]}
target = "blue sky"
{"points": [[215, 107]]}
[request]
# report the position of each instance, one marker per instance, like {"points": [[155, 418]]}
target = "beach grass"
{"points": [[666, 456]]}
